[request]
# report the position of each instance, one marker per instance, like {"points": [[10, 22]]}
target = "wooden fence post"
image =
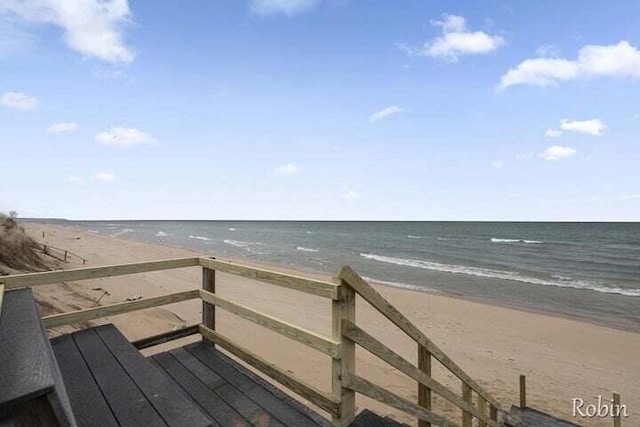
{"points": [[208, 310], [424, 393], [523, 391], [65, 256], [482, 408], [467, 397], [616, 408], [343, 308], [493, 413]]}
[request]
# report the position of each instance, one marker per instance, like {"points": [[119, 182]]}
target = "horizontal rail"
{"points": [[55, 320], [164, 337], [309, 392], [67, 252], [362, 386], [303, 284], [34, 279], [390, 312], [378, 349], [301, 335]]}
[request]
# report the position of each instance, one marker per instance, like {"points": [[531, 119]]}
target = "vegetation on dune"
{"points": [[17, 250]]}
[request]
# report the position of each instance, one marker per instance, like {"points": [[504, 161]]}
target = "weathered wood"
{"points": [[424, 392], [390, 312], [380, 394], [217, 409], [468, 399], [55, 320], [165, 337], [482, 408], [307, 391], [493, 412], [303, 284], [1, 296], [125, 399], [169, 401], [88, 403], [208, 310], [343, 310], [378, 349], [205, 360], [301, 335], [616, 408], [523, 391], [34, 279]]}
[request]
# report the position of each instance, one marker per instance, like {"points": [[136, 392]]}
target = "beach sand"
{"points": [[562, 358]]}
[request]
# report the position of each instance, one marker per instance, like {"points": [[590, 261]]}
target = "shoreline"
{"points": [[563, 358], [403, 286]]}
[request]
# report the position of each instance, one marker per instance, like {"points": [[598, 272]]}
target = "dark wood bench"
{"points": [[111, 384], [32, 391]]}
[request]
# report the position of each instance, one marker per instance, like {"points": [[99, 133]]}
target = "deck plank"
{"points": [[206, 398], [127, 402], [25, 369], [89, 406], [281, 406], [174, 407]]}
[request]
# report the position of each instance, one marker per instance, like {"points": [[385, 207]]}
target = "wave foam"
{"points": [[161, 234], [232, 229], [300, 248], [413, 237], [121, 232], [206, 239], [402, 285], [496, 240], [504, 275]]}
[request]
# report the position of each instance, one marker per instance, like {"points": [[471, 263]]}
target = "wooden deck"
{"points": [[110, 383], [230, 394]]}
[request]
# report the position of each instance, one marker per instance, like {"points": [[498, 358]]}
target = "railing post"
{"points": [[209, 310], [493, 413], [616, 410], [65, 256], [343, 308], [467, 397], [424, 393], [482, 408], [523, 391]]}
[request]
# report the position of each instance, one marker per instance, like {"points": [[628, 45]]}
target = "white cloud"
{"points": [[351, 195], [19, 101], [103, 177], [557, 152], [75, 180], [288, 169], [456, 40], [62, 127], [285, 7], [553, 133], [91, 27], [621, 60], [124, 137], [394, 109], [591, 127], [497, 164]]}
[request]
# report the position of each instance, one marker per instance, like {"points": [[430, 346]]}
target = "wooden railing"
{"points": [[426, 350], [63, 254], [340, 347]]}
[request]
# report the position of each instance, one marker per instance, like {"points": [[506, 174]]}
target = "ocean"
{"points": [[589, 271]]}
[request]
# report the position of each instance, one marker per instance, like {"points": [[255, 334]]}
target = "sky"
{"points": [[320, 109]]}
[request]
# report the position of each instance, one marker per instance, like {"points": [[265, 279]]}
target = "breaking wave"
{"points": [[300, 248], [161, 234], [413, 237], [505, 275], [206, 239], [121, 232], [496, 240]]}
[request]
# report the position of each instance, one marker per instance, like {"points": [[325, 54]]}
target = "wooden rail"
{"points": [[301, 335], [65, 252], [55, 320], [35, 279], [303, 284]]}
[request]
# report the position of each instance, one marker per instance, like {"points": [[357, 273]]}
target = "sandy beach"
{"points": [[562, 358]]}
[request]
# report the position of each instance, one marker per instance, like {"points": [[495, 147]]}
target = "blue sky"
{"points": [[320, 109]]}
